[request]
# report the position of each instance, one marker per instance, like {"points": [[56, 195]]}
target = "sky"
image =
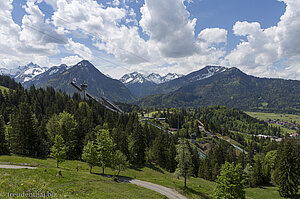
{"points": [[260, 38]]}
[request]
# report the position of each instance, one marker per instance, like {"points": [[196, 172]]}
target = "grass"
{"points": [[72, 185], [84, 185], [2, 89], [274, 116]]}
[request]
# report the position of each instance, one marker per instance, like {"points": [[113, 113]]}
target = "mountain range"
{"points": [[24, 73], [229, 87], [141, 85], [211, 85]]}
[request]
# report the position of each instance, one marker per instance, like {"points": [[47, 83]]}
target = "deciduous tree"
{"points": [[230, 182], [58, 150]]}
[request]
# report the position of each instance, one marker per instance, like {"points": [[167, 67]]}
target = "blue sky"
{"points": [[121, 36]]}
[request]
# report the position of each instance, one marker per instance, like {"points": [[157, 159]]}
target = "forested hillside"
{"points": [[236, 89]]}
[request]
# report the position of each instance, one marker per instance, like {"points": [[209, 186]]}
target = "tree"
{"points": [[105, 148], [58, 150], [288, 169], [23, 138], [184, 159], [90, 155], [3, 144], [269, 164], [137, 145], [257, 178], [119, 162], [65, 125], [230, 182]]}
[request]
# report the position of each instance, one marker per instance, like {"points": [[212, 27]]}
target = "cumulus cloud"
{"points": [[213, 35], [19, 45], [167, 23], [79, 49], [264, 47], [71, 60]]}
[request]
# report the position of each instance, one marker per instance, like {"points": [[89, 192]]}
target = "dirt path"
{"points": [[4, 166], [170, 193]]}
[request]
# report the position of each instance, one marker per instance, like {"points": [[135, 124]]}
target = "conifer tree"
{"points": [[24, 134], [288, 169], [184, 159], [58, 150], [171, 156], [137, 145], [3, 144]]}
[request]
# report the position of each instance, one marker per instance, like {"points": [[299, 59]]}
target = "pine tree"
{"points": [[137, 145], [257, 176], [171, 157], [288, 169], [105, 148], [3, 144], [230, 182], [58, 150], [90, 155], [184, 159], [24, 134]]}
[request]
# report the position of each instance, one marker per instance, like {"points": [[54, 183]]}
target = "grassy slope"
{"points": [[72, 185], [82, 184], [274, 116], [2, 89]]}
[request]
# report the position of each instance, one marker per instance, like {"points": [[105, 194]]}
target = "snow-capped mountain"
{"points": [[157, 79], [171, 76], [39, 79], [204, 73], [28, 72], [133, 78], [139, 78]]}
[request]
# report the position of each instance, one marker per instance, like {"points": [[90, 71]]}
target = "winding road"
{"points": [[4, 166], [170, 193]]}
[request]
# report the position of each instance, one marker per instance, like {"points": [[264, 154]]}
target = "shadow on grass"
{"points": [[188, 190], [155, 168], [137, 168], [119, 177]]}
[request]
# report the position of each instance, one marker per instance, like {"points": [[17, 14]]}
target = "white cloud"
{"points": [[168, 25], [213, 35], [71, 60], [264, 47], [79, 49], [21, 45]]}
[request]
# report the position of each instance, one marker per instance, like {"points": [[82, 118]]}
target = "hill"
{"points": [[98, 83], [231, 88]]}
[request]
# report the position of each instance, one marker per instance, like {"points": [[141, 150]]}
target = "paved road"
{"points": [[4, 166], [170, 193]]}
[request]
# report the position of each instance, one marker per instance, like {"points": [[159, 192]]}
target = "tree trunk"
{"points": [[102, 170], [57, 163], [91, 167], [185, 181]]}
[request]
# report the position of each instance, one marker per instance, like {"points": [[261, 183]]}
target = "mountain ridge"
{"points": [[234, 89]]}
